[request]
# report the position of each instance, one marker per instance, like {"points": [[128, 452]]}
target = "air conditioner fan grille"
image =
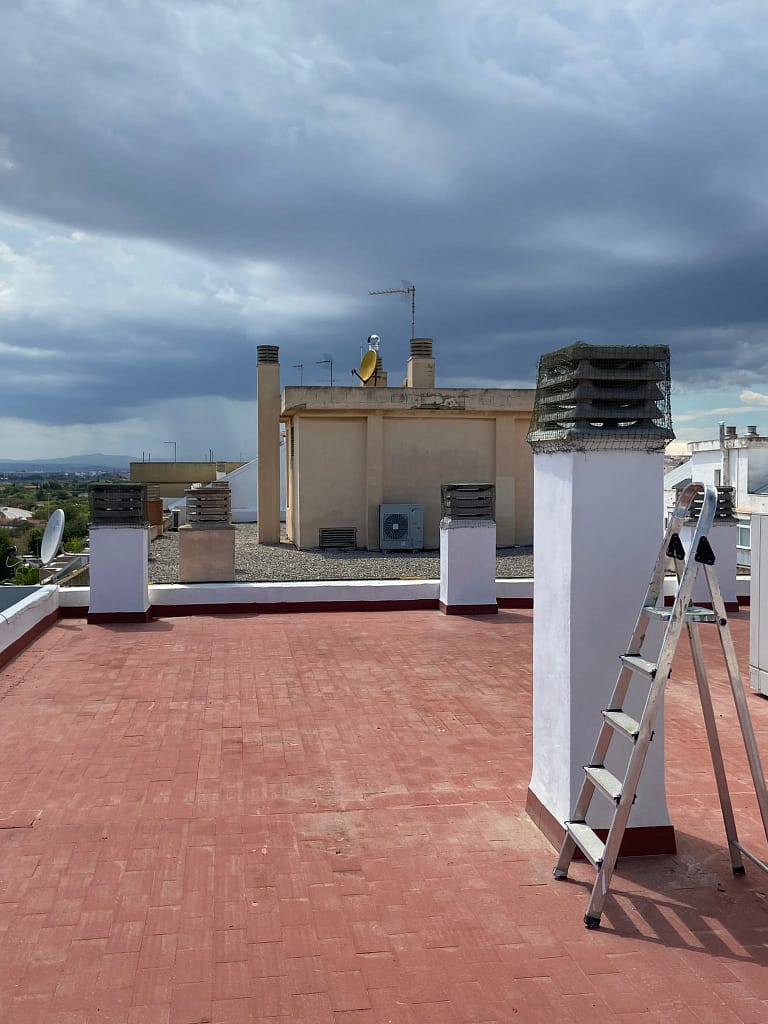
{"points": [[395, 526]]}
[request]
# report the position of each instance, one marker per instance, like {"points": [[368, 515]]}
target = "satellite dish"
{"points": [[51, 542], [368, 365]]}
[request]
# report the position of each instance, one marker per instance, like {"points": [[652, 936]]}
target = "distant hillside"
{"points": [[71, 463]]}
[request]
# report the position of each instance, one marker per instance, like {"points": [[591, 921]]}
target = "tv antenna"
{"points": [[407, 291], [327, 362], [300, 368]]}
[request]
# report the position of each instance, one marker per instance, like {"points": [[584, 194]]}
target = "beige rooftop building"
{"points": [[351, 449]]}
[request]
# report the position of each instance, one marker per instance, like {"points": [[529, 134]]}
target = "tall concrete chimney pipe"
{"points": [[268, 422]]}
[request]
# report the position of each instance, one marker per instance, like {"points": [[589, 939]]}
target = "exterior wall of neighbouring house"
{"points": [[349, 450], [173, 478]]}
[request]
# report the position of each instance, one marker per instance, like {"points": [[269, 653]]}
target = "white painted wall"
{"points": [[597, 533], [704, 465], [758, 609], [243, 485], [467, 562], [32, 605], [119, 569]]}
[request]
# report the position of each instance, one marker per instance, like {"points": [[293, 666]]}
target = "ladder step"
{"points": [[694, 613], [605, 781], [622, 723], [638, 664], [590, 845]]}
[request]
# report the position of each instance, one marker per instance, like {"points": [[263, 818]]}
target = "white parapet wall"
{"points": [[32, 609]]}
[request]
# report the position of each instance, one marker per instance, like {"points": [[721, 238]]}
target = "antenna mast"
{"points": [[407, 290], [327, 362]]}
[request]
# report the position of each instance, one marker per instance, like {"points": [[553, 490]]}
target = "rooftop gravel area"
{"points": [[277, 563]]}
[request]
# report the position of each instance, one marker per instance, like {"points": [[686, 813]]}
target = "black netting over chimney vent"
{"points": [[602, 396]]}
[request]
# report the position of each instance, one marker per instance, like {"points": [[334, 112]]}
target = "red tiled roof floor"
{"points": [[320, 817]]}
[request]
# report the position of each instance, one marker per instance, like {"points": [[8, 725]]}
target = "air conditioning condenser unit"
{"points": [[401, 527]]}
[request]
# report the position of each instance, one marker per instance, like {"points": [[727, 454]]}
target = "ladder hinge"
{"points": [[704, 553], [675, 548]]}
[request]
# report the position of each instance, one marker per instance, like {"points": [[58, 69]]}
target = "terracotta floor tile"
{"points": [[251, 818]]}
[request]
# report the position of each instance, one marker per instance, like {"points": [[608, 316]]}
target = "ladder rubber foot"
{"points": [[739, 871], [560, 874], [591, 922]]}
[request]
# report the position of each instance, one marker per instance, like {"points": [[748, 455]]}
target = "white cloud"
{"points": [[80, 279], [756, 398]]}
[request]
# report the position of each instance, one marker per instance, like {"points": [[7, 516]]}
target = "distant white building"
{"points": [[7, 512], [729, 460]]}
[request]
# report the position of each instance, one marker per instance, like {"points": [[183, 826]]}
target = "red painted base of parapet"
{"points": [[637, 842], [468, 609], [165, 611], [105, 618], [18, 645]]}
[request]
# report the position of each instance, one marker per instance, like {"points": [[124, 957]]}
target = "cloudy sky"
{"points": [[181, 180]]}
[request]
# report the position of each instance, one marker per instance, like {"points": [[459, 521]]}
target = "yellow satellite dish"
{"points": [[368, 365]]}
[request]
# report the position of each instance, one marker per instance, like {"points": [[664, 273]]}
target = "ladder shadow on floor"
{"points": [[690, 901]]}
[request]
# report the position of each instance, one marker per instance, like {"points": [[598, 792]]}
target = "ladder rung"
{"points": [[604, 780], [622, 723], [638, 664], [590, 845], [694, 613]]}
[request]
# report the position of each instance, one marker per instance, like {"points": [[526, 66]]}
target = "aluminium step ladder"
{"points": [[597, 779]]}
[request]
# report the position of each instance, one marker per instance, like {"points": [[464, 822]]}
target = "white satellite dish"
{"points": [[54, 532]]}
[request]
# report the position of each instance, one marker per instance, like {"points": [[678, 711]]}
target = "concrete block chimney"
{"points": [[268, 421], [421, 365], [598, 485]]}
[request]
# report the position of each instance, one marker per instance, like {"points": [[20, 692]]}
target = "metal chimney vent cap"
{"points": [[591, 397], [268, 353], [421, 347], [117, 504], [468, 500]]}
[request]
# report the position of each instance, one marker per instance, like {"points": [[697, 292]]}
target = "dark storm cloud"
{"points": [[587, 171], [92, 375]]}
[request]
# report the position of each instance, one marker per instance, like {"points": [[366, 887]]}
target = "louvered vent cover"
{"points": [[468, 500], [602, 396], [337, 537], [117, 504]]}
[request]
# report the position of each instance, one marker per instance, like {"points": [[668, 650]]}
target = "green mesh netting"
{"points": [[602, 396]]}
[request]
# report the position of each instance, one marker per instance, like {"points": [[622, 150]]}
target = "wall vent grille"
{"points": [[337, 537]]}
